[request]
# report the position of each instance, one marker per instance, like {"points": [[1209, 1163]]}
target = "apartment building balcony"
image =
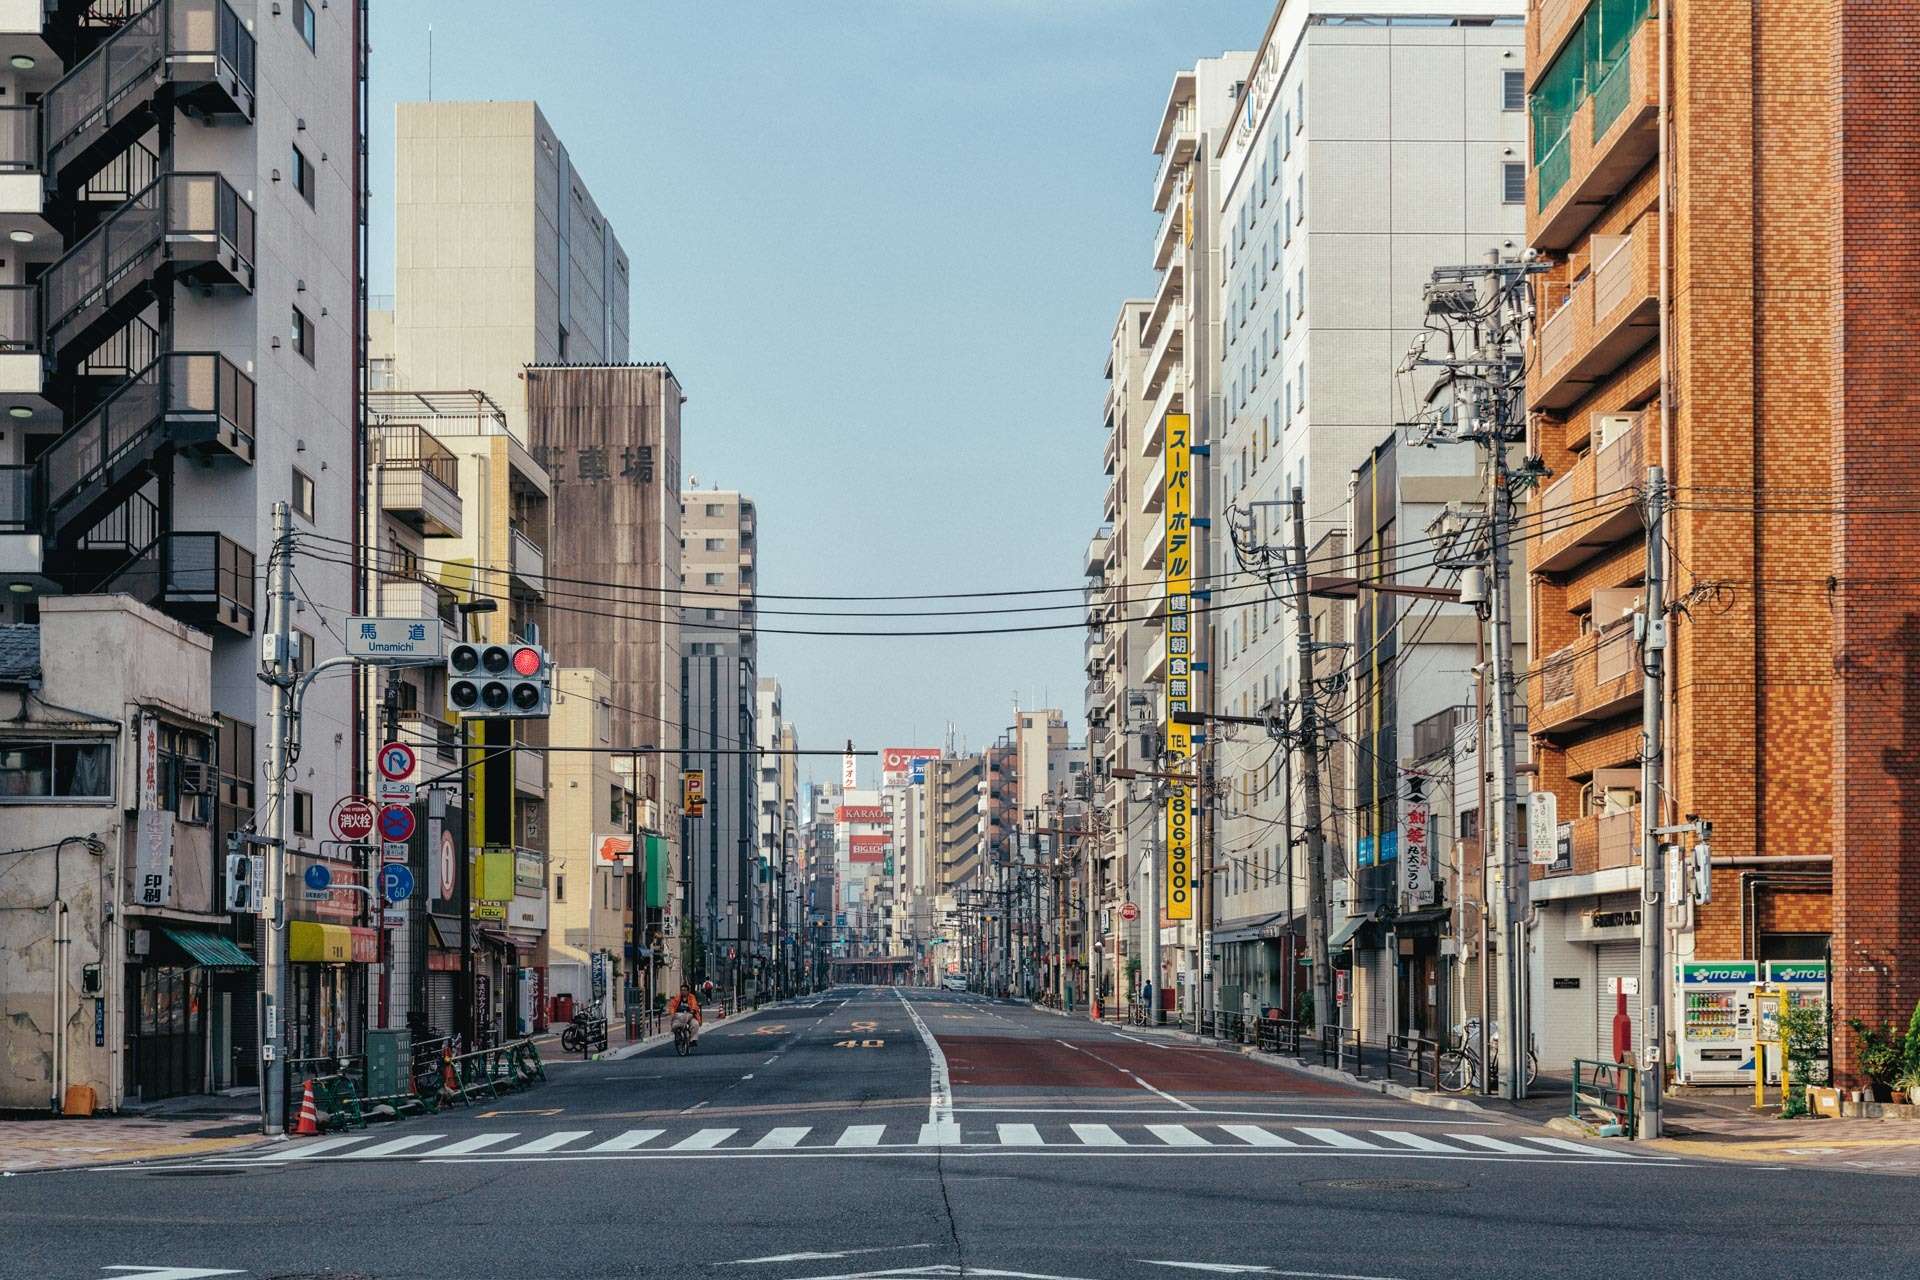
{"points": [[187, 227], [1154, 492], [1110, 456], [1177, 148], [419, 480], [1170, 398], [1097, 551], [1111, 507], [1156, 553], [1165, 309], [527, 561], [196, 56], [22, 190], [1157, 659], [1548, 27], [1601, 842], [1611, 135], [1607, 316], [1596, 503], [1163, 359], [530, 770], [194, 402], [1594, 679], [1172, 236], [22, 372], [437, 741], [204, 579], [418, 598]]}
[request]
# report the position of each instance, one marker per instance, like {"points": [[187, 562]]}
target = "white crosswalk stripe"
{"points": [[1055, 1136], [1254, 1136], [1337, 1138], [781, 1138], [1177, 1135], [705, 1140], [627, 1141]]}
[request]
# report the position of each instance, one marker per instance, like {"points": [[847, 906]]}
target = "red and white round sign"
{"points": [[353, 818], [1129, 912]]}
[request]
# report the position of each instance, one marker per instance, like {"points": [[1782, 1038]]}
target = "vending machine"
{"points": [[1805, 985], [1716, 1020]]}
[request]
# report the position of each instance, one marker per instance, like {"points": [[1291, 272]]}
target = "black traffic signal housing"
{"points": [[499, 681]]}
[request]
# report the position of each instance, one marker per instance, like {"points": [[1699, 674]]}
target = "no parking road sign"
{"points": [[396, 823]]}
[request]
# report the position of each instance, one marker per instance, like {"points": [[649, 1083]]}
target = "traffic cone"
{"points": [[309, 1121]]}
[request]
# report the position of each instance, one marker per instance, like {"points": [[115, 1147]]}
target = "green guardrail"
{"points": [[1606, 1094]]}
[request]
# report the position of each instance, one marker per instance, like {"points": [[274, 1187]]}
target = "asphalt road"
{"points": [[874, 1133]]}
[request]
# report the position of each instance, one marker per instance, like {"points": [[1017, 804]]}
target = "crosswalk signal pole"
{"points": [[279, 674]]}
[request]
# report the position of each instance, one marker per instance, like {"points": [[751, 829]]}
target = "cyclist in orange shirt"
{"points": [[685, 1011]]}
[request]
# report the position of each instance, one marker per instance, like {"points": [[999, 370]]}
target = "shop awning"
{"points": [[1251, 932], [1425, 921], [1344, 934], [210, 949]]}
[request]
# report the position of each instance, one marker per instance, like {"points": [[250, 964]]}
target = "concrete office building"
{"points": [[1362, 154], [590, 864], [183, 262], [719, 709], [502, 257]]}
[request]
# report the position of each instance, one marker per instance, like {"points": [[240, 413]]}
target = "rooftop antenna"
{"points": [[429, 62]]}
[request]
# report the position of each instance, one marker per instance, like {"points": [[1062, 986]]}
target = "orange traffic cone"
{"points": [[309, 1122]]}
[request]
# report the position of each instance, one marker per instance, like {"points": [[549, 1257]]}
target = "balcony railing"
{"points": [[1595, 504], [1596, 679], [19, 139], [19, 512], [198, 50], [419, 479], [1602, 842], [194, 224], [1594, 119], [203, 578], [19, 318], [1609, 316], [527, 561]]}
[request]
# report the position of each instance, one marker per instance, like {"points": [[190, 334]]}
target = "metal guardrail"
{"points": [[1415, 1055], [1606, 1093], [1277, 1035], [1340, 1049]]}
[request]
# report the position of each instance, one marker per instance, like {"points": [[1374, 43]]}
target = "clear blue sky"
{"points": [[882, 243]]}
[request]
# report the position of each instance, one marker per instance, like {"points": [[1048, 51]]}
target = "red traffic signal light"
{"points": [[526, 661]]}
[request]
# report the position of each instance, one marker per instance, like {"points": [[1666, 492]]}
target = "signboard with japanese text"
{"points": [[153, 858], [905, 764], [849, 772], [149, 763], [1180, 676], [1416, 855], [395, 639], [693, 792], [1543, 828]]}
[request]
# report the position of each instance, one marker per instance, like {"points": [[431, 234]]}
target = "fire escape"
{"points": [[110, 404]]}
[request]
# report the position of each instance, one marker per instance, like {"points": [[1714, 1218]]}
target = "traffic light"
{"points": [[246, 873], [506, 681]]}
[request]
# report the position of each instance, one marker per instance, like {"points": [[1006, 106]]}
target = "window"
{"points": [[302, 815], [1300, 105], [1286, 219], [305, 23], [559, 887], [714, 579], [1286, 132], [715, 509], [716, 544], [302, 494], [56, 771], [303, 334], [1300, 197], [1513, 182], [302, 175], [1513, 90], [1286, 308], [1300, 291]]}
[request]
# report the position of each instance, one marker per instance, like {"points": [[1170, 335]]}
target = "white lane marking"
{"points": [[394, 1146], [1162, 1111], [1418, 1142], [1581, 1148], [695, 1107], [940, 1135], [862, 1135], [547, 1142], [705, 1140], [171, 1273], [821, 1257], [747, 1076], [1186, 1106], [1098, 1135], [940, 1088], [314, 1149], [1254, 1136], [1152, 1044], [1177, 1135], [769, 1061], [1245, 1269], [1019, 1135], [777, 1139], [466, 1145], [1335, 1138], [1494, 1144], [628, 1141]]}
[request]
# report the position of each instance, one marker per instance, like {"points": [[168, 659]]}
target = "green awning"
{"points": [[1344, 934], [210, 949]]}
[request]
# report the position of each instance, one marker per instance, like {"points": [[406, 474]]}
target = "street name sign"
{"points": [[395, 639]]}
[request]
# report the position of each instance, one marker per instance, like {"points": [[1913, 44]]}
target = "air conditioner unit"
{"points": [[1609, 427]]}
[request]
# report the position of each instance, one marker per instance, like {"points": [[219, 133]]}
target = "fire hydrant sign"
{"points": [[353, 819]]}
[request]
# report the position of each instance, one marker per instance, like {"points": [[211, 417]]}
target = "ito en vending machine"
{"points": [[1716, 1020], [1805, 985]]}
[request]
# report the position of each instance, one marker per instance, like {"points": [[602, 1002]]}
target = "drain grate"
{"points": [[1385, 1184]]}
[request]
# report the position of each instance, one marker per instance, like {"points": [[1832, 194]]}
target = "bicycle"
{"points": [[582, 1031], [1460, 1065], [683, 1037]]}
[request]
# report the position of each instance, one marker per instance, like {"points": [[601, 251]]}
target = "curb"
{"points": [[155, 1154]]}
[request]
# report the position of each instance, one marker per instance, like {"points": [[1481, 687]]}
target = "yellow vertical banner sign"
{"points": [[1179, 569]]}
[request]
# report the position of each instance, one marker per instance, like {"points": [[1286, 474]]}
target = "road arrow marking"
{"points": [[174, 1273], [1245, 1269], [820, 1257]]}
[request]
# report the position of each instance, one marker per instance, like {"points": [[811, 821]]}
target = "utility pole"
{"points": [[279, 661], [1653, 924], [1513, 874], [1310, 773]]}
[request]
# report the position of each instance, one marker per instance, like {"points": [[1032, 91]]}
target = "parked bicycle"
{"points": [[1460, 1065], [588, 1027]]}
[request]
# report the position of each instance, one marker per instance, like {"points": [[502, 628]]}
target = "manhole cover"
{"points": [[1385, 1184], [191, 1173]]}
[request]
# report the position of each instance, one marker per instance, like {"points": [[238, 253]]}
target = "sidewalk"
{"points": [[192, 1126]]}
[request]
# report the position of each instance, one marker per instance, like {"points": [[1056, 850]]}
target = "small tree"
{"points": [[1803, 1029]]}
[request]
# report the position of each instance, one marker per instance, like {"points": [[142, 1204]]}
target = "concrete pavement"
{"points": [[807, 1142]]}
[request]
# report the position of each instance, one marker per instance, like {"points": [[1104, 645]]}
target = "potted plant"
{"points": [[1882, 1057], [1907, 1085]]}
